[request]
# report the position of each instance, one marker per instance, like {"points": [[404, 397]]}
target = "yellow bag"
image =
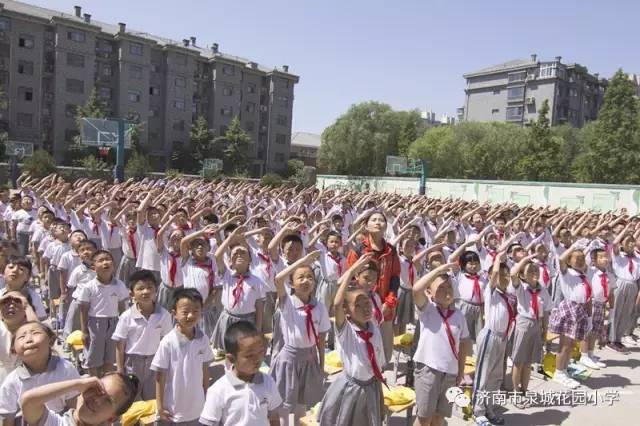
{"points": [[398, 395], [549, 364], [406, 339], [332, 359], [575, 353], [138, 410], [75, 338]]}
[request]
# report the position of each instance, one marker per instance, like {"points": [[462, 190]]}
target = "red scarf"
{"points": [[412, 272], [173, 267], [587, 287], [132, 242], [630, 266], [366, 336], [155, 230], [445, 319], [96, 227], [185, 228], [493, 254], [376, 309], [311, 329], [604, 282], [546, 279], [512, 315], [237, 290], [210, 275], [266, 260], [534, 302], [476, 287], [112, 226], [336, 259]]}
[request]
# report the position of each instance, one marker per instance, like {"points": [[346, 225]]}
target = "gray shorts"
{"points": [[431, 387], [102, 349], [140, 366], [53, 281]]}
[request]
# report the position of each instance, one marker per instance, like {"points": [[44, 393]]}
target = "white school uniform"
{"points": [[24, 219], [463, 288], [264, 268], [545, 266], [353, 350], [572, 286], [487, 257], [523, 297], [128, 242], [148, 249], [433, 348], [103, 299], [183, 359], [142, 335], [165, 266], [405, 266], [332, 266], [110, 236], [69, 261], [496, 312], [252, 291], [46, 239], [620, 265], [79, 278], [199, 277], [21, 380], [234, 402], [597, 289], [293, 322], [54, 252]]}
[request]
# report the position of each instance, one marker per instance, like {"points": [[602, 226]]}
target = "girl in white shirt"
{"points": [[22, 220]]}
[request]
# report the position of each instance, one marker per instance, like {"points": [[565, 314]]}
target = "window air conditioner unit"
{"points": [[531, 100]]}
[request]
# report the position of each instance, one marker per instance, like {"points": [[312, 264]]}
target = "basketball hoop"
{"points": [[103, 151]]}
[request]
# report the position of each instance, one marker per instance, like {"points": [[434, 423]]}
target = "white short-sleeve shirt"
{"points": [[79, 278], [524, 297], [148, 249], [264, 268], [572, 286], [496, 312], [233, 402], [194, 276], [165, 265], [463, 288], [620, 264], [110, 237], [597, 288], [434, 349], [252, 291], [293, 321], [69, 260], [182, 359], [21, 380], [353, 350], [24, 219], [54, 252], [7, 358], [142, 335], [103, 299]]}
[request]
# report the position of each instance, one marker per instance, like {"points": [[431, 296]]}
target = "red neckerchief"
{"points": [[512, 315], [546, 279], [237, 290], [630, 266], [267, 260], [500, 235], [186, 227], [210, 275], [366, 337], [376, 309], [336, 259], [173, 267], [534, 302], [477, 293], [493, 253], [604, 282], [411, 272], [445, 319], [311, 329], [587, 286], [132, 242], [155, 230], [112, 226], [96, 227]]}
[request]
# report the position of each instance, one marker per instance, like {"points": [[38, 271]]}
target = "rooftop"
{"points": [[306, 139], [204, 51]]}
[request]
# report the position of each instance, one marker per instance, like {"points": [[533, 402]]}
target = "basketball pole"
{"points": [[118, 171], [423, 177]]}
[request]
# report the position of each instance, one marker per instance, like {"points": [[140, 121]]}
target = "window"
{"points": [[283, 100], [5, 24], [25, 93], [281, 139], [251, 107], [226, 111], [281, 120], [180, 82], [133, 95], [178, 125], [106, 70], [496, 91], [228, 70], [25, 41], [548, 70], [70, 110], [104, 93], [75, 60], [155, 67], [514, 113], [515, 93], [153, 113], [135, 71], [25, 67], [77, 36], [70, 134], [227, 91], [154, 91], [178, 104], [250, 126], [251, 88], [75, 86], [517, 76], [135, 48], [181, 59], [495, 110], [279, 157], [25, 120], [105, 46], [573, 92]]}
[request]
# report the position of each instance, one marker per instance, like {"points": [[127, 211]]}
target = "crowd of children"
{"points": [[160, 278]]}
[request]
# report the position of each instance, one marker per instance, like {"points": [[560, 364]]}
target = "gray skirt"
{"points": [[622, 315], [277, 339], [224, 321], [269, 310], [473, 315], [209, 318], [527, 341], [126, 268], [297, 374], [405, 311], [326, 292], [351, 402], [165, 296]]}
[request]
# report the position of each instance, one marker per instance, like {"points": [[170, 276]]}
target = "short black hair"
{"points": [[99, 252], [334, 234], [186, 293], [58, 221], [291, 238], [468, 256], [20, 261], [211, 218], [89, 243], [79, 231], [235, 332], [132, 385], [142, 276]]}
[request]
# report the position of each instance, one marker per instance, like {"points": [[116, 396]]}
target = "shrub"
{"points": [[40, 164], [271, 179], [137, 167], [95, 168]]}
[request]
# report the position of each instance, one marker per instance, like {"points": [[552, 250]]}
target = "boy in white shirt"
{"points": [[100, 304], [147, 230], [139, 331], [182, 363], [243, 395]]}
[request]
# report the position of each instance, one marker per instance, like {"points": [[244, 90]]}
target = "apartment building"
{"points": [[305, 147], [515, 90], [51, 61]]}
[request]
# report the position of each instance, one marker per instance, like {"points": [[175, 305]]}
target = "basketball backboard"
{"points": [[396, 165], [18, 148], [104, 131]]}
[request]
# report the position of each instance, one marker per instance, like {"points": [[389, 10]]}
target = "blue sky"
{"points": [[408, 53]]}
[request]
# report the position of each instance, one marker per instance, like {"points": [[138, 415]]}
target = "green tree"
{"points": [[40, 164], [137, 167], [543, 158], [235, 144], [201, 140], [612, 144], [411, 128], [95, 167], [294, 167]]}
